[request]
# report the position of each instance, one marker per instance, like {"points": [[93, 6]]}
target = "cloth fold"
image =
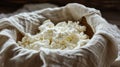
{"points": [[100, 51]]}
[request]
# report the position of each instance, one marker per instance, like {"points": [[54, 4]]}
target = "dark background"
{"points": [[110, 9]]}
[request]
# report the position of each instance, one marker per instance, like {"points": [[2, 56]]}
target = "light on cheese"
{"points": [[64, 36]]}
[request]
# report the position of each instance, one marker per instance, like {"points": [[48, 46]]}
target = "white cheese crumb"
{"points": [[60, 36]]}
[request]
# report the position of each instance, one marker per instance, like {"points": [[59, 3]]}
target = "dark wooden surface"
{"points": [[107, 4]]}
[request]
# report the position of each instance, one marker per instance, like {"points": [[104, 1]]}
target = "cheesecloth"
{"points": [[100, 51]]}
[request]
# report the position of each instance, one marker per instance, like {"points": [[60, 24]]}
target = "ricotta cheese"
{"points": [[64, 35]]}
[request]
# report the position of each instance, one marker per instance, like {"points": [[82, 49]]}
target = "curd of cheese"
{"points": [[64, 35]]}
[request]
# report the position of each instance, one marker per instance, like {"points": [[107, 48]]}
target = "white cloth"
{"points": [[100, 51]]}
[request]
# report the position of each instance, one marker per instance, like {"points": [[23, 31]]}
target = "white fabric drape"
{"points": [[100, 51]]}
